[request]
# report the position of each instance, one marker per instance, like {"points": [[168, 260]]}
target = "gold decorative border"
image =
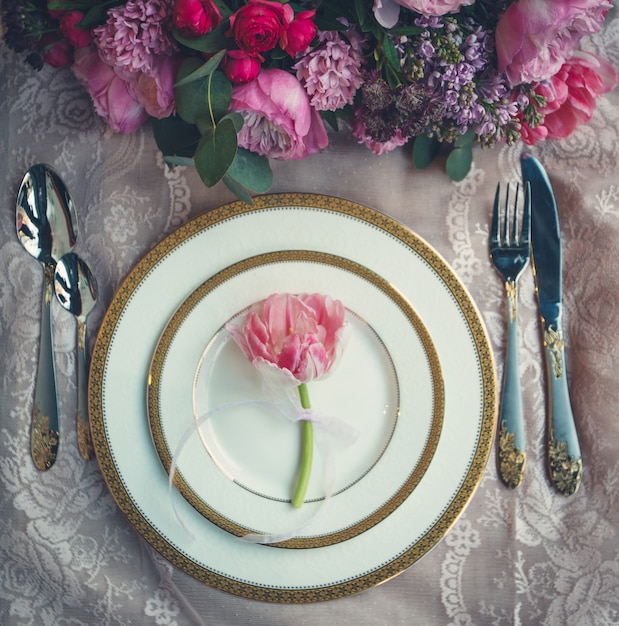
{"points": [[449, 516], [291, 256]]}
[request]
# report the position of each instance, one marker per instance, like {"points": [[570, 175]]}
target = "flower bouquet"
{"points": [[230, 84]]}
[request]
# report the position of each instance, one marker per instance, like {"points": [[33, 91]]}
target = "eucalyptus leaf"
{"points": [[211, 42], [171, 161], [237, 119], [215, 152], [252, 170], [220, 93], [425, 150], [192, 98], [204, 70], [459, 163], [237, 189], [175, 137]]}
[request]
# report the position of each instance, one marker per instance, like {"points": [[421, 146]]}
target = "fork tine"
{"points": [[494, 231], [516, 229], [506, 239], [526, 215]]}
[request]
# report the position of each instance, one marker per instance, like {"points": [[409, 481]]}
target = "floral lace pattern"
{"points": [[528, 556]]}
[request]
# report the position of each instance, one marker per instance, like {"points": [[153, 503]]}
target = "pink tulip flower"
{"points": [[296, 337], [292, 340]]}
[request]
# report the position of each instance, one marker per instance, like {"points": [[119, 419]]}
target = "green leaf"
{"points": [[211, 42], [215, 152], [331, 118], [171, 161], [465, 140], [425, 150], [175, 137], [221, 94], [237, 189], [252, 170], [360, 9], [409, 31], [204, 70], [237, 120], [459, 163], [391, 54]]}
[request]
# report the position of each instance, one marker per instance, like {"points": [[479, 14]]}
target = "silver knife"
{"points": [[564, 456]]}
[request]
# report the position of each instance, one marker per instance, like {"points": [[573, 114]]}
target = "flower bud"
{"points": [[241, 67], [194, 18]]}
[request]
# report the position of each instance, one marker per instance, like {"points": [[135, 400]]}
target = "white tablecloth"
{"points": [[68, 556]]}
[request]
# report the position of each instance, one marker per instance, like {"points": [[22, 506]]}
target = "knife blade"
{"points": [[564, 455]]}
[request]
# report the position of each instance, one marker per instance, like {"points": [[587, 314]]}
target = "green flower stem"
{"points": [[307, 451]]}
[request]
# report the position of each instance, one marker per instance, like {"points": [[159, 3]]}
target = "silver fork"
{"points": [[510, 253]]}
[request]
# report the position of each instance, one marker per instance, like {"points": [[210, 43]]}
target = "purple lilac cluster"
{"points": [[450, 86]]}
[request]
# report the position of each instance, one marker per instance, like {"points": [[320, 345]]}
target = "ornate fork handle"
{"points": [[512, 457]]}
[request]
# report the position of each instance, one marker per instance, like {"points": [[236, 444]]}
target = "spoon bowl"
{"points": [[76, 290], [46, 224]]}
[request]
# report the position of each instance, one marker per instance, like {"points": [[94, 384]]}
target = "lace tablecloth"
{"points": [[68, 556]]}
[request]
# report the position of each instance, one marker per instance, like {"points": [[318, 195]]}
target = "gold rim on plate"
{"points": [[219, 559]]}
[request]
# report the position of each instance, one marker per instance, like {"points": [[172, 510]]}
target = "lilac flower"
{"points": [[135, 33], [331, 72]]}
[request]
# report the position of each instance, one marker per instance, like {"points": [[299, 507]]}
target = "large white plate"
{"points": [[163, 280], [238, 468]]}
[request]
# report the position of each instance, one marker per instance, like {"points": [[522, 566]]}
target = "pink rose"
{"points": [[196, 17], [535, 37], [70, 30], [241, 67], [387, 12], [571, 96], [299, 34], [112, 96], [155, 90], [294, 339], [259, 25], [278, 119]]}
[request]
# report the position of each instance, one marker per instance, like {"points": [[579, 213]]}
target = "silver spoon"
{"points": [[76, 290], [46, 224]]}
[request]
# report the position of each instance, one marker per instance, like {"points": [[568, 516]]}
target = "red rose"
{"points": [[241, 67], [299, 33], [57, 52], [259, 25], [70, 30], [193, 18]]}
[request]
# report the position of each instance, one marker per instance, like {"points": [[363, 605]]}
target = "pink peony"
{"points": [[259, 25], [194, 18], [571, 96], [278, 119], [331, 72], [155, 90], [112, 96], [535, 37], [299, 33], [387, 11], [240, 66], [293, 339], [359, 132]]}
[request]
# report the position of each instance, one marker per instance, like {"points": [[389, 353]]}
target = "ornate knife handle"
{"points": [[564, 456], [44, 427]]}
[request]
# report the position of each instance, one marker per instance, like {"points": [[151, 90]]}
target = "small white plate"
{"points": [[239, 468], [163, 280]]}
